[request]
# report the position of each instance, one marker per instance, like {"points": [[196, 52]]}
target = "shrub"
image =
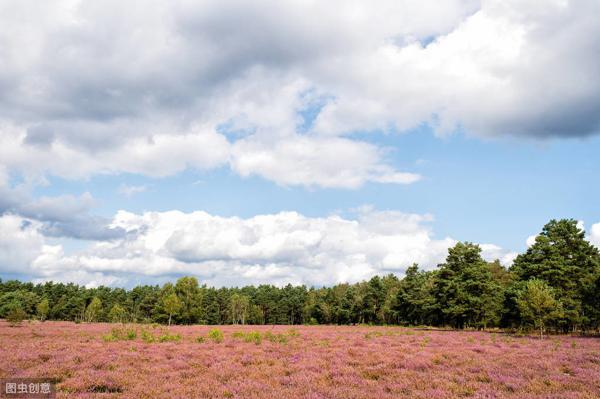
{"points": [[282, 339], [147, 337], [15, 316], [168, 337], [117, 314], [269, 336], [253, 336], [131, 334], [120, 334], [109, 338], [200, 339], [372, 334], [216, 335], [279, 338]]}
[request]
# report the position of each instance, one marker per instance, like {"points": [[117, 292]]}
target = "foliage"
{"points": [[240, 308], [568, 263], [253, 336], [216, 335], [414, 302], [169, 337], [117, 314], [537, 304], [120, 334], [172, 305], [93, 310], [15, 315], [188, 294], [465, 291], [43, 308]]}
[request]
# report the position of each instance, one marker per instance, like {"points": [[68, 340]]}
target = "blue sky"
{"points": [[319, 143]]}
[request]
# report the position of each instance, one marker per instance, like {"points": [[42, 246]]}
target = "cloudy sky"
{"points": [[309, 142]]}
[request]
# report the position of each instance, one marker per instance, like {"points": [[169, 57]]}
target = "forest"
{"points": [[553, 286]]}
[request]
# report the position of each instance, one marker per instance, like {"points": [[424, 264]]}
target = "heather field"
{"points": [[136, 361]]}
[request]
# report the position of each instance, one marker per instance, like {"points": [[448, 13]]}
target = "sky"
{"points": [[297, 142]]}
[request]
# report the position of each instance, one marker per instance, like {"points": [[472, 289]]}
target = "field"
{"points": [[97, 360]]}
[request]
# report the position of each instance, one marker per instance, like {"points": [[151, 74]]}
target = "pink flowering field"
{"points": [[105, 360]]}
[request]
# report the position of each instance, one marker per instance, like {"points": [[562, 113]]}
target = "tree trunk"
{"points": [[169, 319]]}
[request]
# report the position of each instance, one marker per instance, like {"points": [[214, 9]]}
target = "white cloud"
{"points": [[594, 236], [491, 252], [280, 248], [20, 244], [501, 71], [326, 162], [146, 87], [153, 154], [284, 247], [129, 191], [531, 240], [60, 216]]}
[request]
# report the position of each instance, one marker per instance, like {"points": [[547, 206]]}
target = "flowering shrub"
{"points": [[315, 362]]}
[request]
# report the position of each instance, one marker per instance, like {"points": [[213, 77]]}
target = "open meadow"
{"points": [[144, 361]]}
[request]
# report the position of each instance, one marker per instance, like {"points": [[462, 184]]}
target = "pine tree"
{"points": [[567, 262], [537, 304], [466, 293]]}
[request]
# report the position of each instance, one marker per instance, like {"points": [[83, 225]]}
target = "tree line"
{"points": [[554, 285]]}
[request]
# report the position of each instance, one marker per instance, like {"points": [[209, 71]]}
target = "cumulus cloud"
{"points": [[280, 248], [531, 240], [20, 244], [492, 252], [511, 68], [594, 235], [283, 247], [146, 87], [327, 162], [59, 216]]}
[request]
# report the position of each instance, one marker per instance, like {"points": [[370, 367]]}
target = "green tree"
{"points": [[21, 296], [239, 307], [188, 292], [172, 305], [93, 310], [500, 274], [15, 315], [117, 314], [43, 308], [373, 300], [538, 304], [567, 262], [413, 297], [466, 293]]}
